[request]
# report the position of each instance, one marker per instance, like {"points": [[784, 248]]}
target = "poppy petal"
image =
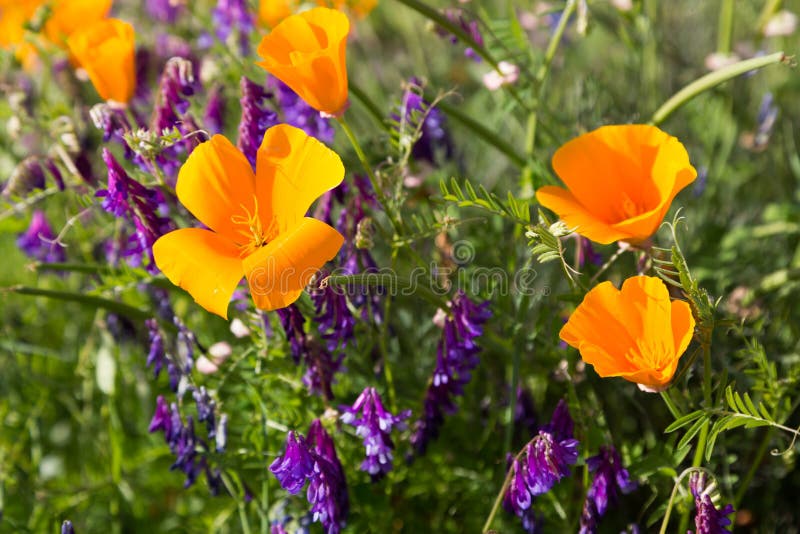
{"points": [[278, 271], [575, 215], [293, 170], [203, 263], [682, 325], [217, 183]]}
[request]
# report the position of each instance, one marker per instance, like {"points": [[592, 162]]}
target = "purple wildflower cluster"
{"points": [[165, 10], [314, 459], [541, 464], [256, 118], [296, 112], [610, 478], [126, 198], [190, 451], [434, 138], [38, 241], [456, 357], [468, 25], [177, 357], [230, 15], [709, 520], [375, 425]]}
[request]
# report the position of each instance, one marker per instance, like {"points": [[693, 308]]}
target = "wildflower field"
{"points": [[399, 266]]}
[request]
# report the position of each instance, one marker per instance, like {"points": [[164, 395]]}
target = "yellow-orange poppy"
{"points": [[307, 52], [635, 333], [272, 12], [257, 222], [620, 182], [13, 17], [105, 50], [68, 16]]}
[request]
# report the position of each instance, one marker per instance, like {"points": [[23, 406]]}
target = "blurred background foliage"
{"points": [[76, 398]]}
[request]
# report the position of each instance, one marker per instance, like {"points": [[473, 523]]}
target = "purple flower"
{"points": [[540, 465], [205, 410], [164, 10], [470, 26], [295, 466], [214, 119], [256, 118], [334, 320], [55, 173], [586, 252], [127, 198], [767, 117], [188, 449], [610, 478], [38, 241], [321, 363], [66, 527], [296, 112], [176, 86], [456, 357], [315, 459], [374, 425], [433, 136], [230, 15], [708, 520], [327, 491], [26, 177], [549, 461]]}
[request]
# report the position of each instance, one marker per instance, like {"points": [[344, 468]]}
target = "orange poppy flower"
{"points": [[272, 12], [635, 333], [307, 53], [13, 17], [105, 50], [70, 15], [620, 182], [257, 222]]}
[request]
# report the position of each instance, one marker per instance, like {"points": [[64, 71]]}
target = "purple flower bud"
{"points": [[327, 491], [38, 241], [66, 527], [549, 461], [205, 410], [433, 137], [162, 418], [55, 172], [256, 118]]}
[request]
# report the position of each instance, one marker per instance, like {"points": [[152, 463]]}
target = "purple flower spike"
{"points": [[375, 425], [610, 478], [256, 118], [295, 466], [456, 357], [709, 520], [38, 242], [334, 320], [214, 119], [327, 491], [233, 14]]}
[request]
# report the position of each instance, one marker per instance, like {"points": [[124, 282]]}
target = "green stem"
{"points": [[725, 27], [376, 186], [484, 133], [442, 21], [390, 282], [673, 409], [712, 80], [541, 78], [770, 8], [370, 106]]}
